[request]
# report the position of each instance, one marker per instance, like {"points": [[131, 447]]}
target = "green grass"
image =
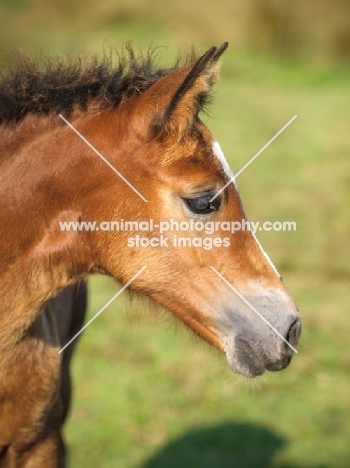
{"points": [[149, 394]]}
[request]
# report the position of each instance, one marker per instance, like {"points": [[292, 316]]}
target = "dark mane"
{"points": [[44, 86]]}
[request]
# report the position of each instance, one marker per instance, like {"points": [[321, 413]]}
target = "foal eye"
{"points": [[202, 204]]}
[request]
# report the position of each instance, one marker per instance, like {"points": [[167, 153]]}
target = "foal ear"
{"points": [[176, 99]]}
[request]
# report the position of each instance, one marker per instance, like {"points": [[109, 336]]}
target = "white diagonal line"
{"points": [[103, 158], [254, 157], [254, 309], [103, 308]]}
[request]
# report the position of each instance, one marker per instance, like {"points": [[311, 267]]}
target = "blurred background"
{"points": [[148, 393]]}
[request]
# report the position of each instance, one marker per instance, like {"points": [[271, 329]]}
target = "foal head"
{"points": [[161, 146]]}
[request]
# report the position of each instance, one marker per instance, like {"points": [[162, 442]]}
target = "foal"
{"points": [[146, 123]]}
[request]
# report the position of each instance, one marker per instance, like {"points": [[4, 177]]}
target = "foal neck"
{"points": [[37, 259]]}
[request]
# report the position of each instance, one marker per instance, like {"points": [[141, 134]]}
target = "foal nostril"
{"points": [[294, 332]]}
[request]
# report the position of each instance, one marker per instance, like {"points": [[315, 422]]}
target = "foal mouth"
{"points": [[250, 361]]}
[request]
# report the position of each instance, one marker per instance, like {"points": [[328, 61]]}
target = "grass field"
{"points": [[147, 392]]}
